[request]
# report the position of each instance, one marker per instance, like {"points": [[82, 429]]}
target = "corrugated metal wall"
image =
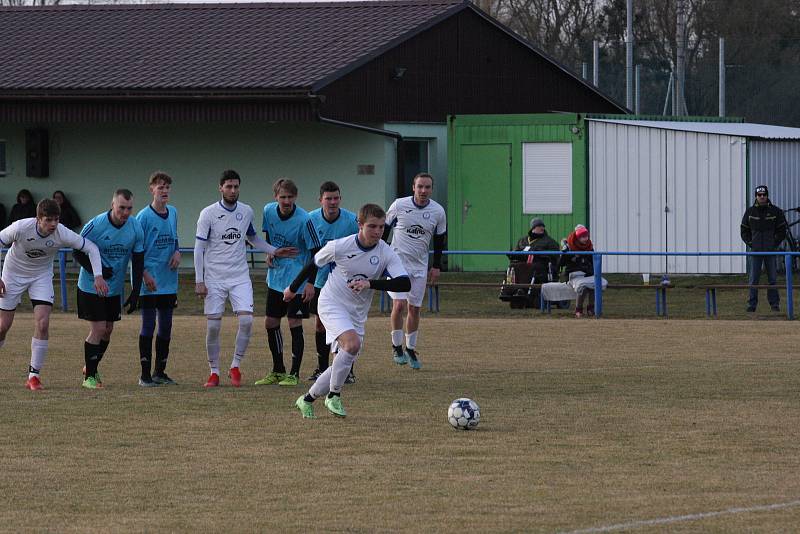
{"points": [[657, 190], [777, 165]]}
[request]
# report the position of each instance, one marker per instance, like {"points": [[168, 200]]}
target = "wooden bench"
{"points": [[711, 293]]}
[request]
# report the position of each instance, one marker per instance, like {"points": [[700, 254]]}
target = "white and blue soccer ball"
{"points": [[464, 414]]}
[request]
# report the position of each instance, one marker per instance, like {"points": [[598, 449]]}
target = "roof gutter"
{"points": [[399, 148], [157, 95]]}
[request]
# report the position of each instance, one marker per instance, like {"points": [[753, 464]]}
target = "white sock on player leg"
{"points": [[38, 355], [411, 340], [321, 386], [242, 339], [397, 338], [341, 368], [213, 327]]}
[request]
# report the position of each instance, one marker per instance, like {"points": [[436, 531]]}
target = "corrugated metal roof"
{"points": [[740, 129]]}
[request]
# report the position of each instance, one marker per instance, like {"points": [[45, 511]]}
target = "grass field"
{"points": [[585, 425]]}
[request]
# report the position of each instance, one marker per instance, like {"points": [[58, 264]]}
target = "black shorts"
{"points": [[92, 307], [315, 301], [277, 308], [159, 302]]}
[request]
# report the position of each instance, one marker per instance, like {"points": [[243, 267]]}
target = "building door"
{"points": [[485, 205]]}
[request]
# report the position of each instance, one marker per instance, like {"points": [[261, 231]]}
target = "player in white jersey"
{"points": [[221, 271], [28, 267], [358, 265], [417, 220]]}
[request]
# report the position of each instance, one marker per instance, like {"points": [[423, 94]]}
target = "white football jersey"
{"points": [[414, 228], [350, 261], [31, 253], [225, 231]]}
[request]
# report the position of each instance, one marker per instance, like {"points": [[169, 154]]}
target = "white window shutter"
{"points": [[547, 177]]}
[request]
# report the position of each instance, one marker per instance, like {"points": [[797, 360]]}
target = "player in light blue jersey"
{"points": [[120, 240], [331, 222], [286, 224], [159, 294]]}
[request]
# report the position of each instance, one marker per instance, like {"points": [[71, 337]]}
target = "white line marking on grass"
{"points": [[689, 517]]}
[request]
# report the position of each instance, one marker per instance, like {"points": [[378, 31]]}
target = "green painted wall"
{"points": [[514, 130], [89, 161]]}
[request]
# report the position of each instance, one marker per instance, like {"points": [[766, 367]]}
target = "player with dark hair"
{"points": [[286, 224], [28, 266], [417, 220], [358, 265], [120, 240], [331, 222], [159, 294], [221, 272]]}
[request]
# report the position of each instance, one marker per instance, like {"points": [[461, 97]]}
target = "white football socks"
{"points": [[397, 338], [213, 327], [242, 339], [411, 340], [38, 355]]}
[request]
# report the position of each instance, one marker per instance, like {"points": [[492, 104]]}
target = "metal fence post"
{"points": [[597, 261], [62, 276], [787, 261]]}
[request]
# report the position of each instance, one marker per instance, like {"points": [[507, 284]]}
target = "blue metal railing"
{"points": [[597, 261]]}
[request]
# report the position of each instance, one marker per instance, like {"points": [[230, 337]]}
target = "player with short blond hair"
{"points": [[358, 266]]}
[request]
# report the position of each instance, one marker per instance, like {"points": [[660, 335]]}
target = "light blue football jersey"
{"points": [[296, 230], [344, 225], [160, 243], [116, 245]]}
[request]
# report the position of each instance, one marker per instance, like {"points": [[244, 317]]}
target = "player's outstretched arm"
{"points": [[262, 246], [401, 284], [309, 272], [84, 261]]}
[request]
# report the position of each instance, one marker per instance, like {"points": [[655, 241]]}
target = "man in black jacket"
{"points": [[763, 230]]}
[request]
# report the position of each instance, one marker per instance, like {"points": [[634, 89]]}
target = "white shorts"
{"points": [[338, 320], [416, 296], [240, 294], [39, 288]]}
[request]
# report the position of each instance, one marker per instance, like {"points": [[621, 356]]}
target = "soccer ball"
{"points": [[463, 414]]}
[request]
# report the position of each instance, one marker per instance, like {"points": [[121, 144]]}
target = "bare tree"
{"points": [[562, 28]]}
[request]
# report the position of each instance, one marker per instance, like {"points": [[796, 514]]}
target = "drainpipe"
{"points": [[399, 181]]}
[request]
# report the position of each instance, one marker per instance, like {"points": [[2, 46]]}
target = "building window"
{"points": [[3, 166], [547, 177], [415, 160]]}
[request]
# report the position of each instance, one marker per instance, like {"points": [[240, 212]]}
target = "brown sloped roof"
{"points": [[206, 47]]}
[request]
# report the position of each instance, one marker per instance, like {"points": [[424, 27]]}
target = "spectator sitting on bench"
{"points": [[535, 268], [578, 269], [763, 230]]}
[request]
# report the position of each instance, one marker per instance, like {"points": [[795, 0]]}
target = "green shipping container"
{"points": [[504, 170]]}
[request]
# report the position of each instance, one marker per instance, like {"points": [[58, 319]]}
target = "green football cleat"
{"points": [[272, 378], [334, 405], [290, 380], [91, 383], [305, 407]]}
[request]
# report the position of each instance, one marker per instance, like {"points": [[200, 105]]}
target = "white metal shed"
{"points": [[668, 186]]}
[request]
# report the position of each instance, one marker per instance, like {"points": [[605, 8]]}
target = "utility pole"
{"points": [[596, 63], [721, 76], [629, 56], [680, 59]]}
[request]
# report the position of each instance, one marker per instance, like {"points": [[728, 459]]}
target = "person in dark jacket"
{"points": [[763, 230], [578, 241], [537, 239], [69, 217], [2, 215], [535, 268], [24, 208]]}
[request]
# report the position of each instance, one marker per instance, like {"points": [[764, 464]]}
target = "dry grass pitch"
{"points": [[585, 424]]}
